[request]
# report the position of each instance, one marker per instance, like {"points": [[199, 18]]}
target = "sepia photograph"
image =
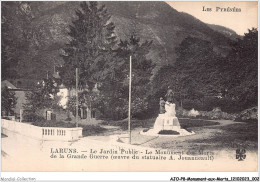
{"points": [[129, 86]]}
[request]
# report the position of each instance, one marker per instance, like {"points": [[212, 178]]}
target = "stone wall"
{"points": [[41, 133]]}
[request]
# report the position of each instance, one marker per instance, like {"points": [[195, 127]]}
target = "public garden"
{"points": [[108, 77], [217, 134]]}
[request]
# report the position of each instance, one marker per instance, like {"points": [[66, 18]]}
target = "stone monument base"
{"points": [[166, 122]]}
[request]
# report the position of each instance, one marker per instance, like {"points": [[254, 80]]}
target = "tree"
{"points": [[90, 48], [199, 70], [240, 71], [42, 97], [16, 37], [8, 100], [195, 71], [197, 62], [141, 66], [86, 99], [166, 77], [116, 85], [92, 40], [194, 75]]}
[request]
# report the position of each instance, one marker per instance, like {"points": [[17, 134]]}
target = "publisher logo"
{"points": [[240, 154]]}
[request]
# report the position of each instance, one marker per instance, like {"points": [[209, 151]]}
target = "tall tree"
{"points": [[16, 37], [90, 49], [141, 66], [92, 40], [115, 88]]}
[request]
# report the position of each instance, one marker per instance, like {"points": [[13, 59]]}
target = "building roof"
{"points": [[7, 84], [25, 83]]}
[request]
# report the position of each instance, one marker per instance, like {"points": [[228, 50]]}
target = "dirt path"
{"points": [[186, 142], [201, 133]]}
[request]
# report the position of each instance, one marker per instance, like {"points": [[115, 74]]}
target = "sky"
{"points": [[240, 22]]}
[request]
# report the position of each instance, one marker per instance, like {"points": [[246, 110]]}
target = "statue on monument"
{"points": [[170, 96], [167, 119], [162, 106], [170, 103]]}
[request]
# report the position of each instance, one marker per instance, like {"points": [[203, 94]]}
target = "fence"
{"points": [[42, 133]]}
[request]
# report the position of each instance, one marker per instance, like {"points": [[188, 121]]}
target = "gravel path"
{"points": [[204, 132]]}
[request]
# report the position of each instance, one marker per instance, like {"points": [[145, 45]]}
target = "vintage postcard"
{"points": [[129, 86]]}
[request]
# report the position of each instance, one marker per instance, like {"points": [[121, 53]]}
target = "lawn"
{"points": [[135, 123], [148, 123], [234, 135], [209, 135], [192, 123]]}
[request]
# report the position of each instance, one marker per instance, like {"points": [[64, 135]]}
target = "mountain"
{"points": [[225, 31], [156, 21], [161, 23]]}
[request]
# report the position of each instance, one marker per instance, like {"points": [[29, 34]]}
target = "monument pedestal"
{"points": [[166, 122]]}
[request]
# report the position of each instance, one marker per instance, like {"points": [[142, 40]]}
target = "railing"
{"points": [[43, 133]]}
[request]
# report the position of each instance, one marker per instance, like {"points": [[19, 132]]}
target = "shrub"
{"points": [[6, 117], [168, 132], [209, 103], [145, 130], [89, 130], [53, 123], [68, 119], [33, 117]]}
